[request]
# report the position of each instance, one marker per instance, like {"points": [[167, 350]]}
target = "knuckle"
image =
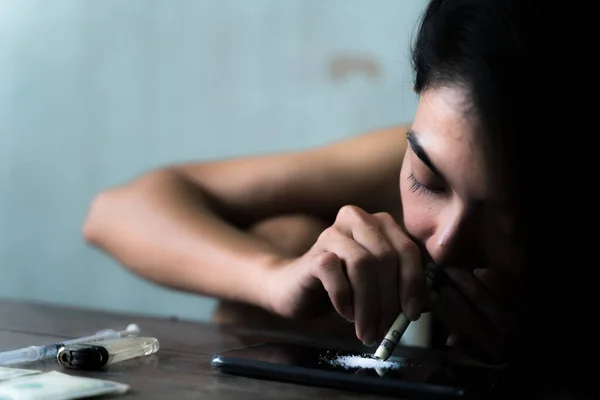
{"points": [[384, 217], [360, 259], [352, 213], [326, 261], [328, 234], [348, 211], [385, 255]]}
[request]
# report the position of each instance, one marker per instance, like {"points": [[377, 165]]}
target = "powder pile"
{"points": [[365, 362]]}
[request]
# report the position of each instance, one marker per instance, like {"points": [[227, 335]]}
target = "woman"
{"points": [[344, 231]]}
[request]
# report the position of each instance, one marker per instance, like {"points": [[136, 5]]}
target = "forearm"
{"points": [[161, 228]]}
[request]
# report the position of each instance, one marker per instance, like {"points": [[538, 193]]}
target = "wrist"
{"points": [[262, 288]]}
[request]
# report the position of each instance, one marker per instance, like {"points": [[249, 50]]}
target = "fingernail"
{"points": [[413, 309], [350, 314], [370, 344]]}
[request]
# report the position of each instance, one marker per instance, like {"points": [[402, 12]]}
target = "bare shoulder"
{"points": [[361, 170]]}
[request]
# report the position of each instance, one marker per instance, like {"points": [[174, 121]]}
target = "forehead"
{"points": [[448, 134]]}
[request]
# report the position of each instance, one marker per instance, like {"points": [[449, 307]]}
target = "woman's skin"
{"points": [[367, 213]]}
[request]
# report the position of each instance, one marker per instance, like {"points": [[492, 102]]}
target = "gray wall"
{"points": [[94, 92]]}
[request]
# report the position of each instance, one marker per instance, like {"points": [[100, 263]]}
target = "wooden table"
{"points": [[180, 370]]}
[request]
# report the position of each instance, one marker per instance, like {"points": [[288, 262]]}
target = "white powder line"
{"points": [[362, 362]]}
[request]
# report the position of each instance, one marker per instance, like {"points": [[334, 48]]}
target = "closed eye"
{"points": [[418, 187]]}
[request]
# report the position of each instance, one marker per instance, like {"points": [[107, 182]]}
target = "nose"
{"points": [[450, 236]]}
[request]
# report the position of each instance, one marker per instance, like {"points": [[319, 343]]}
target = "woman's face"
{"points": [[449, 203]]}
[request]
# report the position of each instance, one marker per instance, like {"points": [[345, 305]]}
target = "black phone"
{"points": [[418, 374]]}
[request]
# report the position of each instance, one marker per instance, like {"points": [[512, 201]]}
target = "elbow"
{"points": [[115, 211], [97, 216]]}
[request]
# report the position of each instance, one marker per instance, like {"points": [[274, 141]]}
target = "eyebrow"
{"points": [[420, 152]]}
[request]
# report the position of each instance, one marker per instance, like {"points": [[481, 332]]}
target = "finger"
{"points": [[328, 268], [359, 265], [366, 232], [483, 298], [413, 286], [462, 319]]}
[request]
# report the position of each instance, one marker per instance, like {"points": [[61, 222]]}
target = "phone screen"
{"points": [[420, 373]]}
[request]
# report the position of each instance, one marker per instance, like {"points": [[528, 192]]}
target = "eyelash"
{"points": [[416, 186]]}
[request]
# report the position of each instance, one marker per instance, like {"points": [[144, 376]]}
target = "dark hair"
{"points": [[485, 47], [498, 50]]}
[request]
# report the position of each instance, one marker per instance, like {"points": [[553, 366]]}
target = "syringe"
{"points": [[34, 353]]}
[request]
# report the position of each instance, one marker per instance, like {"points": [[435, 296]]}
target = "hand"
{"points": [[363, 265], [479, 311]]}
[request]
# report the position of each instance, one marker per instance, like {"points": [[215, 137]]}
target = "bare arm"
{"points": [[185, 226]]}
